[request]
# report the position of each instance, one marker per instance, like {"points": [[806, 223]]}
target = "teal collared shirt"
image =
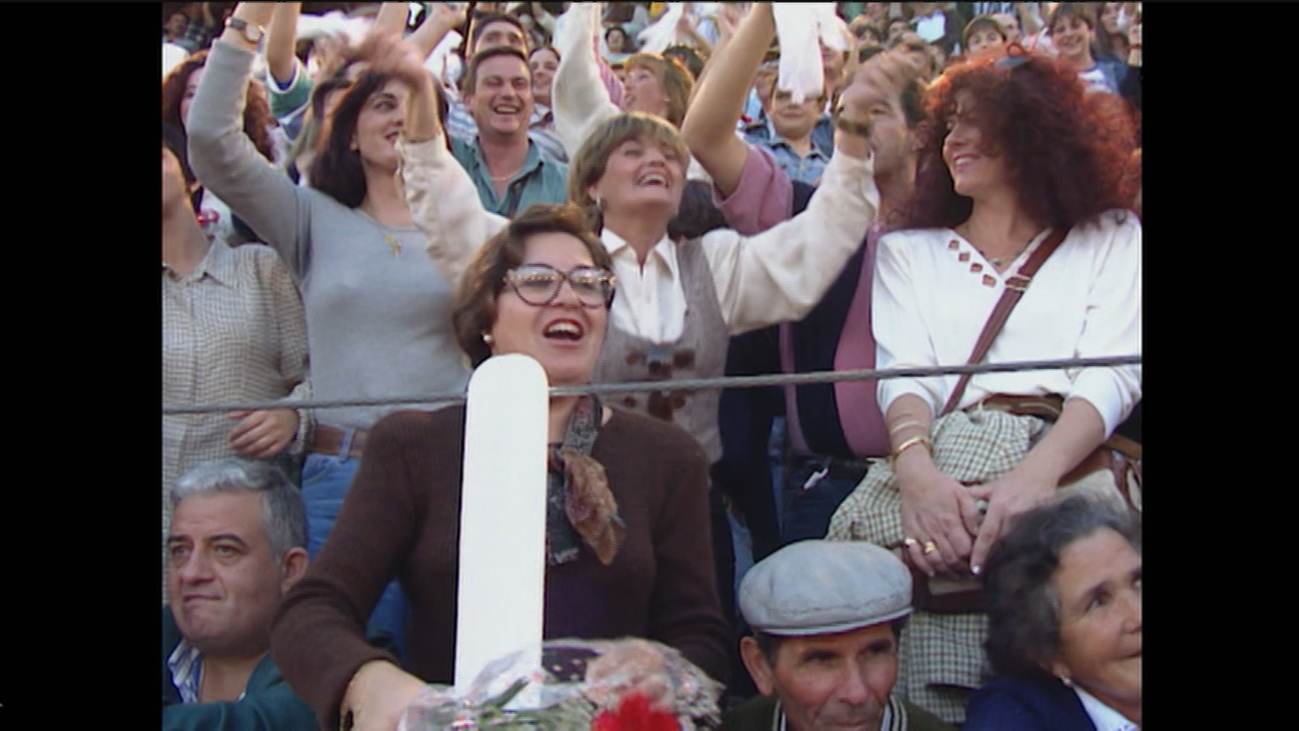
{"points": [[540, 180]]}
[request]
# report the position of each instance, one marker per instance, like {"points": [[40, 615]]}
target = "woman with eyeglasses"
{"points": [[627, 549]]}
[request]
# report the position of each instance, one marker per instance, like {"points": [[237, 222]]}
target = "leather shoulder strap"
{"points": [[1015, 286]]}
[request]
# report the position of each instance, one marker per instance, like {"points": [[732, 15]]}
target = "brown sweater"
{"points": [[401, 517]]}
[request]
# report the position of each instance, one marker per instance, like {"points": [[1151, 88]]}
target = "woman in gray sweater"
{"points": [[377, 309]]}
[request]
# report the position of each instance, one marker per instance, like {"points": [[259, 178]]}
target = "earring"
{"points": [[488, 340], [599, 204]]}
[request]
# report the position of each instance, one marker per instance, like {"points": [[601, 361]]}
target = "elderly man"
{"points": [[237, 542], [826, 617]]}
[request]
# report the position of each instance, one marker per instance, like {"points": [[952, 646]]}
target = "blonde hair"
{"points": [[676, 80], [587, 167]]}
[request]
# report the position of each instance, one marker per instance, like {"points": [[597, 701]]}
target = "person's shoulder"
{"points": [[1022, 704], [919, 719], [754, 714], [418, 424], [648, 435], [170, 630], [917, 238], [257, 254], [1116, 222]]}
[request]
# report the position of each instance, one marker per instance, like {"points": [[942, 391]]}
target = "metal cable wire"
{"points": [[686, 384]]}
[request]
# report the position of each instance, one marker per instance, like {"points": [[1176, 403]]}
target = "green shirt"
{"points": [[540, 180]]}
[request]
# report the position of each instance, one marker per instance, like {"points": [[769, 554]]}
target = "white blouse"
{"points": [[934, 292]]}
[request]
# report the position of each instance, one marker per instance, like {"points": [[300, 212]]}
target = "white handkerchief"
{"points": [[663, 32], [798, 32]]}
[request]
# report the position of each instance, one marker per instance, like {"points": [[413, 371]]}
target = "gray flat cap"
{"points": [[819, 587]]}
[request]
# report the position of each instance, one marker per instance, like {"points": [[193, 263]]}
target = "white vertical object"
{"points": [[502, 515]]}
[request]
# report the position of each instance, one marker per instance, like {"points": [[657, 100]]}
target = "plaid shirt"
{"points": [[232, 330]]}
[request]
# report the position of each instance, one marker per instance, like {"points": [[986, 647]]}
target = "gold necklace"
{"points": [[393, 244], [500, 178]]}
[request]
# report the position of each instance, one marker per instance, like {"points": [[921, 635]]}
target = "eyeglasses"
{"points": [[539, 284]]}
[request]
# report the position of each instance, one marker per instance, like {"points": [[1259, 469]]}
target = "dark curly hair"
{"points": [[474, 309], [1023, 609], [1068, 152], [258, 121]]}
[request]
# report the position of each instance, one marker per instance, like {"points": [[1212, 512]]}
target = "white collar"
{"points": [[619, 249], [1103, 717], [186, 666]]}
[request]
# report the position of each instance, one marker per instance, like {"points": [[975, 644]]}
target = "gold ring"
{"points": [[930, 547]]}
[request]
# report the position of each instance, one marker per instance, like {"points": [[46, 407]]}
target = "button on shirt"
{"points": [[651, 302]]}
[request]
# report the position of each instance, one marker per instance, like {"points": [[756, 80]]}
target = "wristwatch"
{"points": [[252, 33]]}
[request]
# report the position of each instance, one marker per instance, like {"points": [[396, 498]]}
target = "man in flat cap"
{"points": [[826, 617]]}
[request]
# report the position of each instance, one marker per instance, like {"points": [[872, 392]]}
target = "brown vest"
{"points": [[700, 352]]}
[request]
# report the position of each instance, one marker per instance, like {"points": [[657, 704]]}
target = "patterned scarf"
{"points": [[578, 500]]}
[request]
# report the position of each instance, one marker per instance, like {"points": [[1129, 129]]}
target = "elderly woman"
{"points": [[1064, 623], [1020, 168], [541, 287]]}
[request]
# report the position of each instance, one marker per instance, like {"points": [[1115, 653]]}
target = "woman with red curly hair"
{"points": [[1015, 155]]}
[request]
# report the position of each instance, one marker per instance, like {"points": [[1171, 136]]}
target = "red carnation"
{"points": [[635, 714]]}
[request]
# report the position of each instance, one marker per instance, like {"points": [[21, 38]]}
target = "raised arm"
{"points": [[709, 127], [281, 35], [226, 161], [442, 19], [581, 101], [441, 196], [782, 273], [391, 18]]}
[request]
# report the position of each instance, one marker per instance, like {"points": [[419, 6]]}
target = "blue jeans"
{"points": [[325, 481], [807, 512]]}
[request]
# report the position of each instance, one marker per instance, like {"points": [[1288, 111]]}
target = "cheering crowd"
{"points": [[365, 202]]}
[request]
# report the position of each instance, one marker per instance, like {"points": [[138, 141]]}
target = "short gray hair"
{"points": [[283, 515], [1023, 609]]}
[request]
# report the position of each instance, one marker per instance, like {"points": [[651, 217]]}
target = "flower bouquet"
{"points": [[601, 685]]}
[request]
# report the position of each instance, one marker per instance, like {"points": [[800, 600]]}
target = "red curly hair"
{"points": [[1068, 152], [257, 109]]}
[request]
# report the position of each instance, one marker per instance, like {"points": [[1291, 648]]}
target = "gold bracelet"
{"points": [[909, 443], [904, 425]]}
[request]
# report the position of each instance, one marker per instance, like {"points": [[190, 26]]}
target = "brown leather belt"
{"points": [[329, 440], [1049, 408]]}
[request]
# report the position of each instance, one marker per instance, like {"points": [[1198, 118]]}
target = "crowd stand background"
{"points": [[274, 129]]}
